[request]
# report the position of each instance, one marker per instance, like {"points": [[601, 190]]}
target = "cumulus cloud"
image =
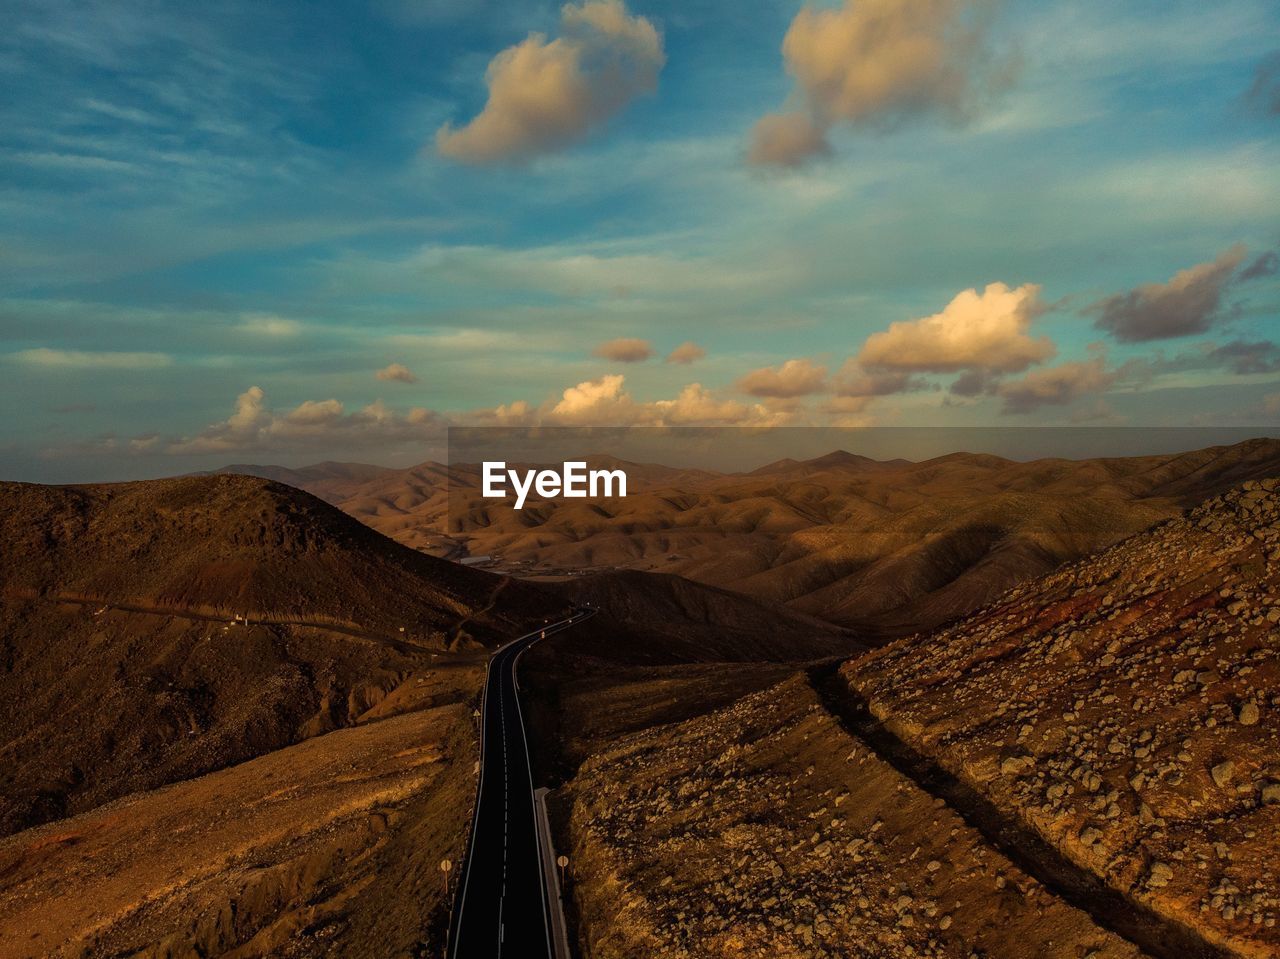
{"points": [[1055, 386], [605, 402], [396, 373], [686, 353], [855, 382], [787, 140], [589, 398], [793, 378], [985, 331], [254, 425], [1189, 303], [625, 350], [85, 360], [547, 94], [877, 62]]}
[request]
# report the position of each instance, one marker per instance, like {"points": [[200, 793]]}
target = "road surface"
{"points": [[501, 909]]}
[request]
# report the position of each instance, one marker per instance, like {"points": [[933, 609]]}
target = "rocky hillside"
{"points": [[765, 829], [1125, 709]]}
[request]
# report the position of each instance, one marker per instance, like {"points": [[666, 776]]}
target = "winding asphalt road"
{"points": [[501, 909]]}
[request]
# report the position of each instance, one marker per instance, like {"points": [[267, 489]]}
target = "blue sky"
{"points": [[219, 222]]}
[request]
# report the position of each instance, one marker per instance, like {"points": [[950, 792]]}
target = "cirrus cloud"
{"points": [[547, 94], [268, 325], [86, 360]]}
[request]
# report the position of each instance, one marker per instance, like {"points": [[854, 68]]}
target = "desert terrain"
{"points": [[887, 548], [234, 721], [1085, 767], [240, 722]]}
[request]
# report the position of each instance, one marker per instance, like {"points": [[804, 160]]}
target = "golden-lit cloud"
{"points": [[396, 373], [876, 62], [625, 350], [605, 402], [312, 424], [793, 378], [547, 94], [787, 139], [686, 353], [985, 331]]}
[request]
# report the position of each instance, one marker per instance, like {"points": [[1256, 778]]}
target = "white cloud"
{"points": [[793, 378], [310, 425], [545, 95], [396, 373], [876, 62], [984, 331]]}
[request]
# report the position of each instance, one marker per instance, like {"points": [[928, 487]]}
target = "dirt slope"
{"points": [[763, 829], [1126, 709], [326, 848], [237, 545], [123, 666], [661, 619]]}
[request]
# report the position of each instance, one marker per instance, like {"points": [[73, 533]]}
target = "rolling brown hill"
{"points": [[887, 548], [238, 546], [150, 632], [661, 619]]}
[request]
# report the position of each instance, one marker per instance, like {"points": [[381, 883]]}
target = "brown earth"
{"points": [[764, 829], [233, 721], [886, 548], [1126, 710], [156, 680], [662, 619], [329, 847], [1085, 768], [240, 546]]}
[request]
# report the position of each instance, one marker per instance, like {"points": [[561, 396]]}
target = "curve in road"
{"points": [[502, 906]]}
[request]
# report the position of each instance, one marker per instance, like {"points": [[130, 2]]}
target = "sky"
{"points": [[238, 232]]}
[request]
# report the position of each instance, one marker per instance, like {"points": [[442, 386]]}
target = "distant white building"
{"points": [[476, 560]]}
